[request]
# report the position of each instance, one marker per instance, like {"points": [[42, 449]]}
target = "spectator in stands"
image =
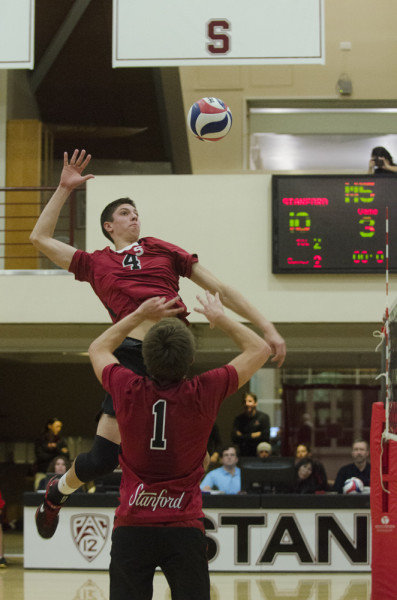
{"points": [[381, 162], [59, 465], [360, 467], [3, 562], [303, 451], [305, 430], [264, 450], [305, 482], [47, 446], [227, 478], [214, 446], [250, 427], [277, 441]]}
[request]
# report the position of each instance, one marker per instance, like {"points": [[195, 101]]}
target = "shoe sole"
{"points": [[46, 535]]}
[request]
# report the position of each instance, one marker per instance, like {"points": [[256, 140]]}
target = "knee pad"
{"points": [[102, 459]]}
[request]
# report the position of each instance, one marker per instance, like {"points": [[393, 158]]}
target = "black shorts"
{"points": [[129, 354], [180, 552]]}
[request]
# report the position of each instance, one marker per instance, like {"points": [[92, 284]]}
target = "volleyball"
{"points": [[353, 486], [209, 119]]}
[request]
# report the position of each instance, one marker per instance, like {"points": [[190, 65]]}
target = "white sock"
{"points": [[64, 488]]}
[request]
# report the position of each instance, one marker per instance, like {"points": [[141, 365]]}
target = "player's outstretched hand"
{"points": [[212, 307], [71, 176], [158, 308]]}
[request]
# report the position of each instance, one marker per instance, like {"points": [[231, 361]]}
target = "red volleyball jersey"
{"points": [[123, 280], [164, 433]]}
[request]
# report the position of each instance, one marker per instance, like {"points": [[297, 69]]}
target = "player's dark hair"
{"points": [[168, 350], [107, 213]]}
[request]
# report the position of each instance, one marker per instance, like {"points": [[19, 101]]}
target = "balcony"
{"points": [[19, 210]]}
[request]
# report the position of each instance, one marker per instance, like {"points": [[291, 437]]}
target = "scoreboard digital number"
{"points": [[333, 223]]}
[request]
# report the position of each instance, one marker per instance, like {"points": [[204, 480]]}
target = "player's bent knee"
{"points": [[103, 458]]}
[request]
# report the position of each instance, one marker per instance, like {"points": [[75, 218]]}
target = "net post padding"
{"points": [[383, 508]]}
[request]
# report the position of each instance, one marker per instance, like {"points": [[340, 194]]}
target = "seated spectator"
{"points": [[305, 482], [250, 427], [360, 467], [59, 465], [3, 562], [47, 446], [227, 478], [263, 450], [303, 451]]}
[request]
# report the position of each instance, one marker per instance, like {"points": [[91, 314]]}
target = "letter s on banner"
{"points": [[216, 31]]}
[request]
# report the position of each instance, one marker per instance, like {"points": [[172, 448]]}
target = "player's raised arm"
{"points": [[42, 236], [235, 301], [101, 349], [254, 350]]}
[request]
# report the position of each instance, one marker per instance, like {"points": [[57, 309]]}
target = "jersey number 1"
{"points": [[158, 442]]}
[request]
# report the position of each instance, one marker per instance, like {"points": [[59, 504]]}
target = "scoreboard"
{"points": [[334, 223]]}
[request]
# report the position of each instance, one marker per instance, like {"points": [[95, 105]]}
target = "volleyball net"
{"points": [[383, 445], [390, 362]]}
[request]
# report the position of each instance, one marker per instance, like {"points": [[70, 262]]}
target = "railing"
{"points": [[19, 209]]}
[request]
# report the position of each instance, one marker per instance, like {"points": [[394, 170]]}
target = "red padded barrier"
{"points": [[383, 509]]}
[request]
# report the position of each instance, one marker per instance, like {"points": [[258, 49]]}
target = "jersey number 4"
{"points": [[158, 441], [132, 261]]}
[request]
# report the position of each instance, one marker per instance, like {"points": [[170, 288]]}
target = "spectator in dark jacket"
{"points": [[250, 427], [47, 446]]}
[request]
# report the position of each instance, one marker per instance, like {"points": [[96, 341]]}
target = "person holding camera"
{"points": [[381, 162]]}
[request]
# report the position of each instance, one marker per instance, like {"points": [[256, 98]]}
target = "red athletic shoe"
{"points": [[47, 515]]}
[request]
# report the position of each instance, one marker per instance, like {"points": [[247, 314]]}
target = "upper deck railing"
{"points": [[20, 208]]}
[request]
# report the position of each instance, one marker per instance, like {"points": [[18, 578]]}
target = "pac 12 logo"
{"points": [[90, 532], [90, 591]]}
